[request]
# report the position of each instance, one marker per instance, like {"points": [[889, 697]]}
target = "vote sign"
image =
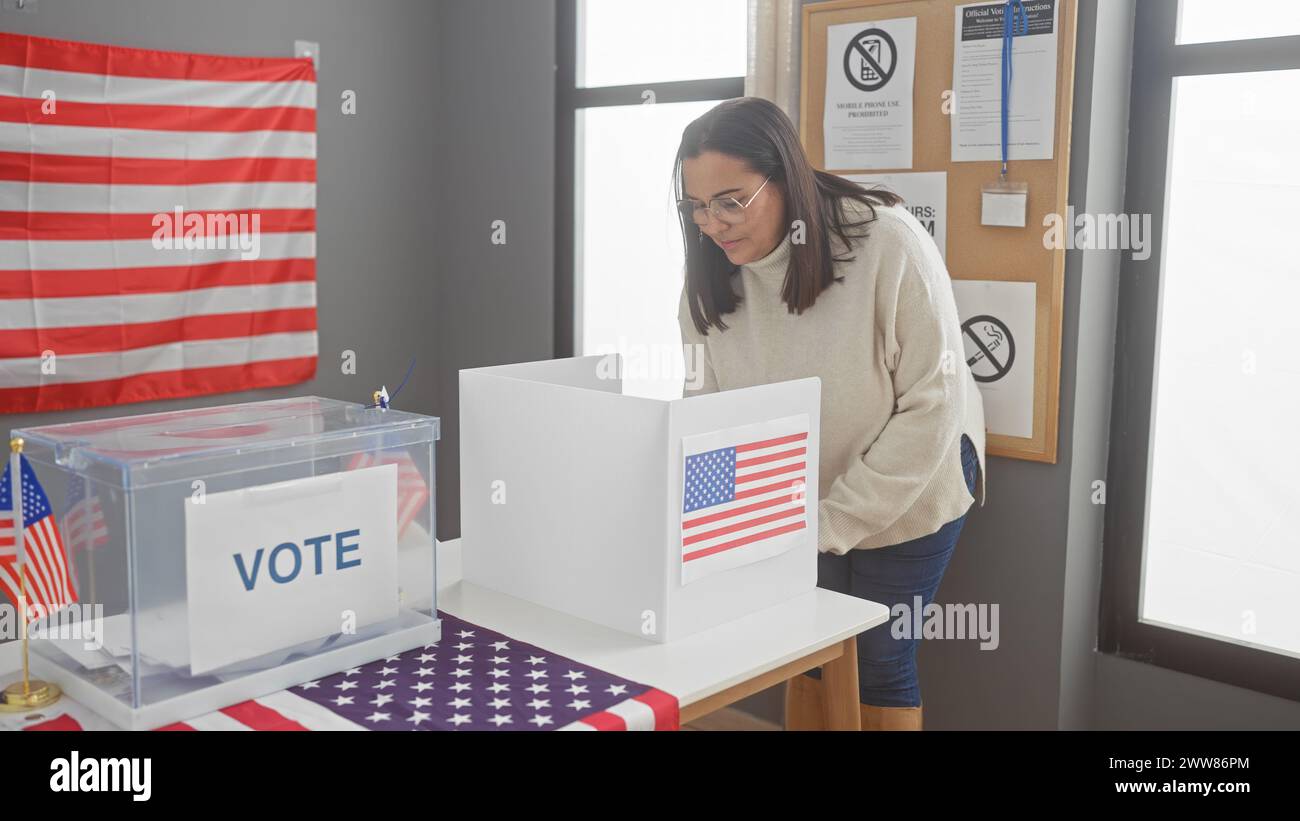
{"points": [[272, 566]]}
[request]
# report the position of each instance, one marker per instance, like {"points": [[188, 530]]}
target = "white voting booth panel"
{"points": [[572, 495]]}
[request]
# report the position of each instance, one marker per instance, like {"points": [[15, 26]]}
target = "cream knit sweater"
{"points": [[896, 392]]}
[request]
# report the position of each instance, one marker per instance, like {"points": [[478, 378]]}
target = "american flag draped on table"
{"points": [[473, 679], [106, 155]]}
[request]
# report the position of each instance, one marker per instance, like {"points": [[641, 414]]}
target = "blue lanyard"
{"points": [[1008, 33]]}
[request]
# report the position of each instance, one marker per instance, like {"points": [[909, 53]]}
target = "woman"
{"points": [[793, 272]]}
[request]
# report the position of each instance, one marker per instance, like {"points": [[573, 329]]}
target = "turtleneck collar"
{"points": [[774, 265]]}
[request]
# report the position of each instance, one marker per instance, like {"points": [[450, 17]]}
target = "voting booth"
{"points": [[220, 554], [655, 518]]}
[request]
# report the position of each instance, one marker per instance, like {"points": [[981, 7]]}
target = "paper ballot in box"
{"points": [[656, 518], [219, 554]]}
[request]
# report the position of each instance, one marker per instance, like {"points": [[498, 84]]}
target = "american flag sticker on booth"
{"points": [[744, 494]]}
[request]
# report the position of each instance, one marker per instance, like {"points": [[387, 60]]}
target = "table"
{"points": [[706, 671]]}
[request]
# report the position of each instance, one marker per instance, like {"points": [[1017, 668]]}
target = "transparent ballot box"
{"points": [[221, 554]]}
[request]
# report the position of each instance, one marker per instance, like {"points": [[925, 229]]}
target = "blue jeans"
{"points": [[894, 575]]}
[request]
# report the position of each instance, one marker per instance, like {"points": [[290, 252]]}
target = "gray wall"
{"points": [[496, 127]]}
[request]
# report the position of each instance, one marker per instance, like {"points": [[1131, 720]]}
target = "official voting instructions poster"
{"points": [[924, 193], [869, 77], [997, 325], [744, 494], [977, 83]]}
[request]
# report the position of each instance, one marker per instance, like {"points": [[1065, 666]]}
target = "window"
{"points": [[1211, 21], [1202, 558], [631, 77], [622, 43]]}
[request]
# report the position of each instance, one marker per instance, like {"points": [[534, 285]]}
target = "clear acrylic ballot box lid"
{"points": [[219, 554]]}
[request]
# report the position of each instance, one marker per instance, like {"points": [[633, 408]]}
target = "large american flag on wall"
{"points": [[157, 223]]}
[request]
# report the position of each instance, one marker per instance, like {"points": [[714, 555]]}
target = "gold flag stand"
{"points": [[27, 694]]}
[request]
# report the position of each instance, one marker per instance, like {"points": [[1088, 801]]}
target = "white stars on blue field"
{"points": [[36, 505], [710, 479]]}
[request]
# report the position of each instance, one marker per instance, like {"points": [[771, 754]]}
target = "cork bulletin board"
{"points": [[973, 251]]}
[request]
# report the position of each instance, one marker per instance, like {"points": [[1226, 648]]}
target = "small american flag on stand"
{"points": [[43, 563], [743, 494]]}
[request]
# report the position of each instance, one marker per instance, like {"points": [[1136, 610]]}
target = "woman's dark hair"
{"points": [[756, 131]]}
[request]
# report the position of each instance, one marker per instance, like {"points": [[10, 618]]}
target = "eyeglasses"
{"points": [[727, 209]]}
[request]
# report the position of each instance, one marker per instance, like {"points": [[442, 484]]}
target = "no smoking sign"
{"points": [[990, 348]]}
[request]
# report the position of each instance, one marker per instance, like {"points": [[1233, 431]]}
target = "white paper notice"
{"points": [[744, 494], [275, 565], [997, 323], [977, 83], [1007, 210], [868, 113], [924, 193]]}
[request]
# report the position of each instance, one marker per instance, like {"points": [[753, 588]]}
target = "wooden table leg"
{"points": [[840, 680]]}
